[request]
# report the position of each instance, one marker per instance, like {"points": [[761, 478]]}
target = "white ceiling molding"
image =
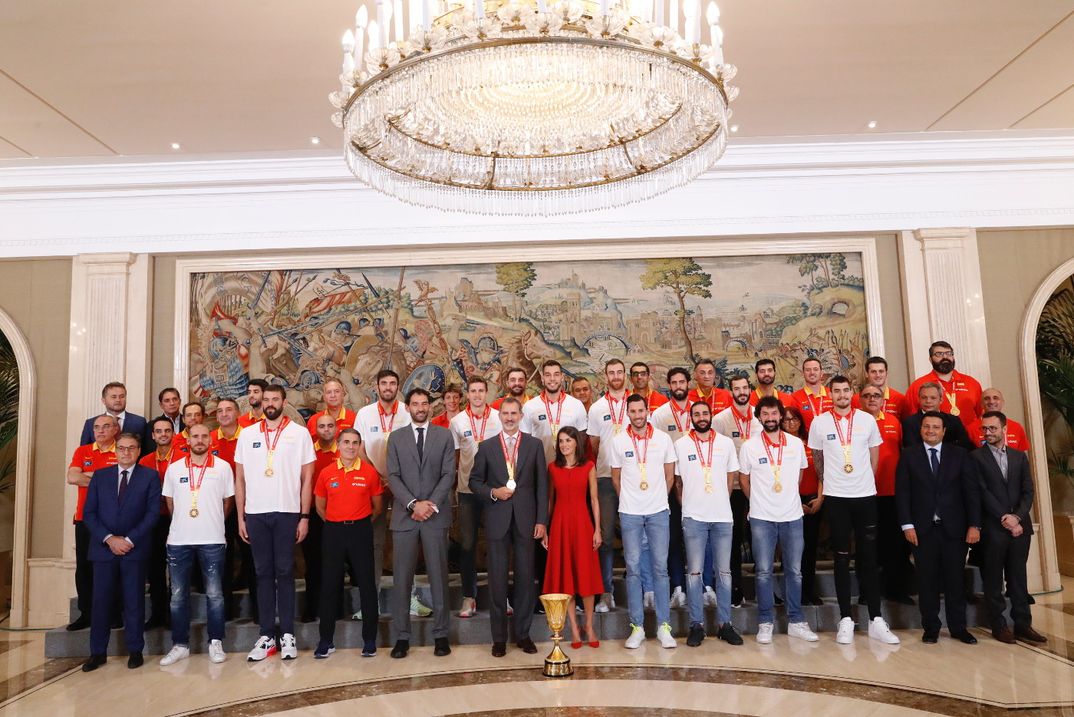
{"points": [[221, 204]]}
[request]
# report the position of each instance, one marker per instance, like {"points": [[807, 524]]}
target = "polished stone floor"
{"points": [[787, 677]]}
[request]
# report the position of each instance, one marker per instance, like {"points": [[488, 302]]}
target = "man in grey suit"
{"points": [[421, 476], [1006, 528], [510, 475]]}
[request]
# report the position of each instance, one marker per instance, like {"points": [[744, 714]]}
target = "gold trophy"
{"points": [[557, 664]]}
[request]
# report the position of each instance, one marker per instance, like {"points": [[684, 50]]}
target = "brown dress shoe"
{"points": [[1028, 634], [1004, 634]]}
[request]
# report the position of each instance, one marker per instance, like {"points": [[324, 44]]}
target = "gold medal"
{"points": [[848, 468], [269, 472], [645, 485], [618, 429], [707, 472], [644, 477], [708, 487], [194, 511], [954, 409], [777, 487], [195, 485]]}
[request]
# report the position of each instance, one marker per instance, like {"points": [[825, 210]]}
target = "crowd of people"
{"points": [[686, 481]]}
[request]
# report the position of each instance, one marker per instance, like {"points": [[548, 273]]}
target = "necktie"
{"points": [[122, 483], [934, 460], [421, 443]]}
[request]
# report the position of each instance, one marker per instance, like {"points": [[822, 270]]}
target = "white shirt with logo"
{"points": [[537, 422], [282, 491], [466, 441], [697, 503], [602, 419], [663, 419], [765, 502], [208, 527], [633, 500], [823, 436], [372, 425]]}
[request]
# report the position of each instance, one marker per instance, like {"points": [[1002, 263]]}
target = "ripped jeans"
{"points": [[713, 541], [180, 565], [857, 517]]}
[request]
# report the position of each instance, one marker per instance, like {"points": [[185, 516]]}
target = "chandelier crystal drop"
{"points": [[532, 108]]}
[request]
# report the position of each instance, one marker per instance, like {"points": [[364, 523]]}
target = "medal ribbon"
{"points": [[743, 423], [510, 457], [270, 442], [478, 436], [195, 486], [559, 410], [676, 413], [951, 395], [616, 421], [641, 456], [845, 442], [381, 413], [706, 461], [777, 464]]}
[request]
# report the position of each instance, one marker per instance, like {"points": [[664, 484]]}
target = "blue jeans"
{"points": [[180, 563], [708, 546], [789, 534], [656, 528], [647, 566]]}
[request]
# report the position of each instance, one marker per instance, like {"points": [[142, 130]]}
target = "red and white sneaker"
{"points": [[264, 647]]}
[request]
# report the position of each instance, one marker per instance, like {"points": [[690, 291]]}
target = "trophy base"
{"points": [[557, 664]]}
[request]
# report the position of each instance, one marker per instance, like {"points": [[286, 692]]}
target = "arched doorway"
{"points": [[1038, 422]]}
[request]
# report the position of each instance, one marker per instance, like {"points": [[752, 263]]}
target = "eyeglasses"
{"points": [[991, 429], [791, 419], [943, 354], [127, 448], [639, 373], [872, 395]]}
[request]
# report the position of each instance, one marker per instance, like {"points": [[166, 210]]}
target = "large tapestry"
{"points": [[438, 325]]}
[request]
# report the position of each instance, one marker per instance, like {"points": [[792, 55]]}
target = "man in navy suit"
{"points": [[114, 398], [122, 505]]}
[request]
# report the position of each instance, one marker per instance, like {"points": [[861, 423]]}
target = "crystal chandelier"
{"points": [[520, 107]]}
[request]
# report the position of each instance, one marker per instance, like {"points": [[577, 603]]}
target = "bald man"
{"points": [[992, 400]]}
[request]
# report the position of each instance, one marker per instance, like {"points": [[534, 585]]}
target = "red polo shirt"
{"points": [[442, 420], [90, 458], [496, 404], [891, 433], [811, 405], [181, 444], [965, 389], [809, 482], [345, 419], [325, 456], [785, 398], [656, 399], [895, 403], [161, 467], [224, 446], [248, 419], [717, 398], [349, 493]]}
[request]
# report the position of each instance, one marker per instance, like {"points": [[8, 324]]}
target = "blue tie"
{"points": [[934, 460]]}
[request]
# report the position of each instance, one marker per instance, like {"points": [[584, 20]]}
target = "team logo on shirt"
{"points": [[734, 434], [608, 417], [184, 479], [629, 454], [672, 428], [467, 434], [257, 444], [762, 460], [334, 484], [691, 457], [542, 417], [87, 464], [374, 429], [806, 407]]}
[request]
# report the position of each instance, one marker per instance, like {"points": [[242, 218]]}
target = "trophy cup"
{"points": [[557, 664]]}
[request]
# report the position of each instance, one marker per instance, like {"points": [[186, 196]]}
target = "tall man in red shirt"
{"points": [[87, 459], [876, 374], [157, 568], [717, 398], [333, 402], [812, 399], [961, 392], [765, 369], [640, 378], [516, 387], [992, 400]]}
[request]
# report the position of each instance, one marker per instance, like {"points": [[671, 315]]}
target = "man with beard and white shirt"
{"points": [[477, 422], [738, 423], [273, 493], [199, 489], [846, 452], [375, 423], [771, 466], [706, 464], [607, 419], [516, 387], [642, 460], [961, 393]]}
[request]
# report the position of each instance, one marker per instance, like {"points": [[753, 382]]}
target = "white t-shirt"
{"points": [[603, 417], [467, 434], [218, 484], [765, 502], [860, 482], [738, 430], [714, 507], [537, 422], [632, 499], [663, 419], [375, 429], [282, 491]]}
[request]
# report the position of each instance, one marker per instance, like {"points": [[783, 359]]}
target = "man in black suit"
{"points": [[122, 505], [929, 397], [938, 498], [1007, 495], [170, 406], [510, 476], [421, 476], [114, 398]]}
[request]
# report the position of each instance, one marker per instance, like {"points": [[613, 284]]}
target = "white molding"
{"points": [[49, 580], [219, 204], [481, 254], [24, 466]]}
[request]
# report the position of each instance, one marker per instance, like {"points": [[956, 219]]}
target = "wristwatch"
{"points": [[304, 516]]}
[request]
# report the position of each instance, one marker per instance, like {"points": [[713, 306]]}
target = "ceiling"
{"points": [[115, 78]]}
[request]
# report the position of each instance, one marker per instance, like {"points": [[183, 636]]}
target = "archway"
{"points": [[1049, 563], [23, 452]]}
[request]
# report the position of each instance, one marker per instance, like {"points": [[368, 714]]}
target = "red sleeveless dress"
{"points": [[573, 566]]}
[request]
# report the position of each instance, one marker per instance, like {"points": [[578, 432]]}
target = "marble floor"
{"points": [[787, 677]]}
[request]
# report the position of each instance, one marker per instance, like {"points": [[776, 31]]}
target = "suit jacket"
{"points": [[132, 423], [133, 517], [430, 478], [529, 504], [998, 496], [954, 433], [954, 494]]}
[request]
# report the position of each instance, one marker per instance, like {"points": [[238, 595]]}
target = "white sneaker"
{"points": [[663, 634], [845, 635], [510, 610], [178, 652], [469, 607], [709, 598], [417, 609], [764, 633], [879, 630], [216, 651], [637, 636], [264, 647], [358, 615], [288, 648], [678, 598], [605, 604], [802, 631], [648, 600]]}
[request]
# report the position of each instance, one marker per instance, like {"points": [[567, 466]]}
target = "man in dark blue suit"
{"points": [[114, 398], [122, 505]]}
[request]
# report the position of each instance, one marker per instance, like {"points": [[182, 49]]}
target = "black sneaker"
{"points": [[369, 649], [728, 634], [696, 636], [324, 649]]}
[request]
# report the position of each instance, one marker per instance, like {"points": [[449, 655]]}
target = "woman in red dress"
{"points": [[572, 540]]}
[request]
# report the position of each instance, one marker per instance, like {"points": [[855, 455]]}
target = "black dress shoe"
{"points": [[442, 649], [901, 599], [777, 600], [80, 624], [499, 649], [964, 637], [401, 648], [527, 646], [93, 663], [135, 661], [930, 637]]}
